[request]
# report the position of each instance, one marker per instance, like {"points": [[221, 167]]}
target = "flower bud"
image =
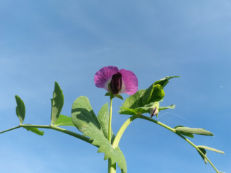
{"points": [[155, 109]]}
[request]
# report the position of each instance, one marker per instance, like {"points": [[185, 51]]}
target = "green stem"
{"points": [[16, 127], [110, 120], [111, 168], [122, 130], [187, 140], [53, 128], [192, 144], [60, 130], [129, 121], [72, 134], [157, 122]]}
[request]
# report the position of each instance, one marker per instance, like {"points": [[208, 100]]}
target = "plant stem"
{"points": [[129, 121], [60, 130], [110, 120], [111, 168], [53, 128], [192, 144], [122, 130], [157, 122], [187, 140], [10, 129]]}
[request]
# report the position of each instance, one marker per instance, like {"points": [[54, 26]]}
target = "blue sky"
{"points": [[46, 41]]}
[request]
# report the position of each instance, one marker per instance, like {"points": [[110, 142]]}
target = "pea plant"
{"points": [[96, 130]]}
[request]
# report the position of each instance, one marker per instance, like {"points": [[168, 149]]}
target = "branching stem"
{"points": [[53, 128], [129, 120]]}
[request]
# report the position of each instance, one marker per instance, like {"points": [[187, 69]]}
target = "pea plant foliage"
{"points": [[96, 128]]}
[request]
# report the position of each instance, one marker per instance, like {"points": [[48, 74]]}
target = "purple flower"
{"points": [[116, 81]]}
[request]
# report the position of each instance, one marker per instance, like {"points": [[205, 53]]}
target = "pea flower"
{"points": [[154, 111], [116, 81]]}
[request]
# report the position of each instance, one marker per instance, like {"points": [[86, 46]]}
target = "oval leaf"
{"points": [[198, 131], [184, 133], [20, 109], [35, 130], [56, 103]]}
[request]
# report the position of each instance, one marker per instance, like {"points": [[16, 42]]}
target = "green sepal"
{"points": [[109, 94], [56, 103], [20, 109], [35, 130], [119, 96], [86, 121], [114, 95], [64, 120]]}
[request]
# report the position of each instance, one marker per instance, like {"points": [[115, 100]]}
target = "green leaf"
{"points": [[103, 118], [134, 105], [142, 101], [134, 101], [56, 102], [35, 130], [185, 133], [86, 121], [136, 111], [167, 107], [153, 94], [202, 156], [20, 109], [141, 110], [64, 120], [210, 148], [164, 81], [188, 130]]}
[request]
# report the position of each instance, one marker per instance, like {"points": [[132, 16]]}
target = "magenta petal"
{"points": [[103, 75], [130, 81]]}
